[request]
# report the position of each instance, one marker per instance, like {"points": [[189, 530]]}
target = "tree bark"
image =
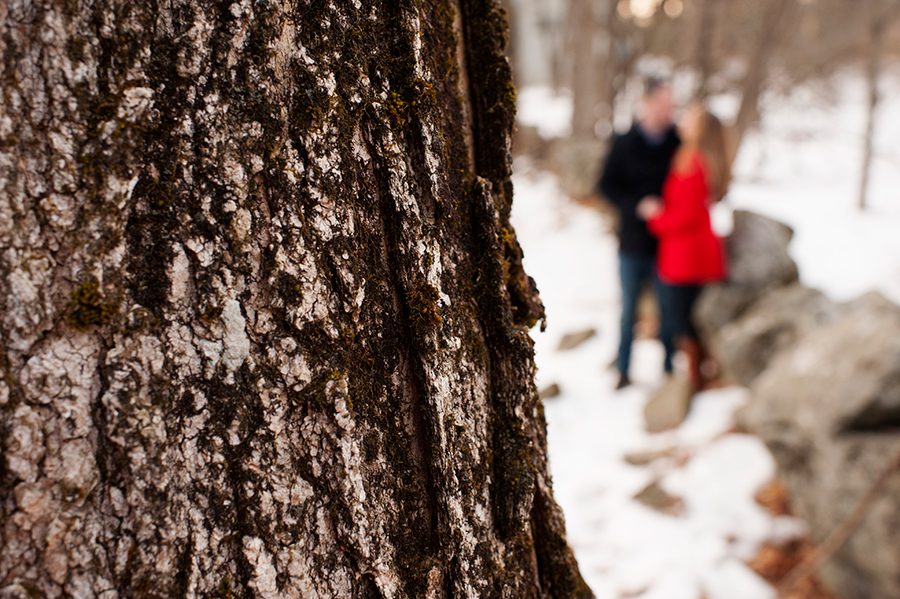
{"points": [[264, 319]]}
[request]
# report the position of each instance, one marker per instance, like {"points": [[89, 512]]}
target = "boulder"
{"points": [[758, 262], [669, 405], [758, 251], [829, 410], [746, 346]]}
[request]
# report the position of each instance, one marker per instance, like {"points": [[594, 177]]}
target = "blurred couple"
{"points": [[663, 179]]}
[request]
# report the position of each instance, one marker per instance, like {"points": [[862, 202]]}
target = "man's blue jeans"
{"points": [[636, 271]]}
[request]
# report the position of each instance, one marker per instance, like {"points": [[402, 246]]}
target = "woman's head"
{"points": [[701, 130]]}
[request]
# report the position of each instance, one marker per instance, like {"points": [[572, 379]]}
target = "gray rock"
{"points": [[669, 406], [758, 251], [776, 321], [829, 410], [573, 340], [656, 498], [758, 262], [645, 458]]}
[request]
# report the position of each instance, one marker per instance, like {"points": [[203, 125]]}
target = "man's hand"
{"points": [[649, 207]]}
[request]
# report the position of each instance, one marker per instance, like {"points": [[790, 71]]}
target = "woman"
{"points": [[690, 254]]}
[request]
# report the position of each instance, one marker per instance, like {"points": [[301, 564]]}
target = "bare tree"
{"points": [[704, 53], [608, 66], [585, 68], [881, 15], [774, 22], [263, 317]]}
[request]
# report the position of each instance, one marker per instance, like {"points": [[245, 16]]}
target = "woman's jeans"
{"points": [[680, 301], [636, 271]]}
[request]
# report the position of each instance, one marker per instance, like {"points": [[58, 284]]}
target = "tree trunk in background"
{"points": [[879, 21], [584, 69], [873, 69], [264, 320], [704, 60], [607, 65], [593, 64], [773, 24]]}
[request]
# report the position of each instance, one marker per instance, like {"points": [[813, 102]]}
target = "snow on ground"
{"points": [[803, 169], [625, 548], [550, 112]]}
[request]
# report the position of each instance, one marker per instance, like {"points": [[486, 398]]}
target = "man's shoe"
{"points": [[624, 381]]}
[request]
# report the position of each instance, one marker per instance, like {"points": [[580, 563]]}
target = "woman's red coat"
{"points": [[689, 251]]}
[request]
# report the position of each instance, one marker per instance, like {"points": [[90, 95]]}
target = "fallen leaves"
{"points": [[774, 562]]}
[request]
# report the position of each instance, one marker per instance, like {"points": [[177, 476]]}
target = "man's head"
{"points": [[657, 105]]}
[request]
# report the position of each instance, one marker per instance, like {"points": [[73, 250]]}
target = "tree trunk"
{"points": [[873, 68], [776, 13], [513, 45], [264, 320], [607, 64], [879, 21], [584, 68], [704, 58]]}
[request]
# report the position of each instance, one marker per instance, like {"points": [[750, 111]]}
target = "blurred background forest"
{"points": [[736, 52], [784, 482]]}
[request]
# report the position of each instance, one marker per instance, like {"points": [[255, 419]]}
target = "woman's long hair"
{"points": [[714, 147]]}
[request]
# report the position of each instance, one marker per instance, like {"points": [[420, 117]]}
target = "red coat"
{"points": [[689, 251]]}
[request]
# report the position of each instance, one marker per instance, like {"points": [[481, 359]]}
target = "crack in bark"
{"points": [[465, 85], [417, 399]]}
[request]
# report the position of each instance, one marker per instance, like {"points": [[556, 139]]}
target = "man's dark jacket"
{"points": [[636, 168]]}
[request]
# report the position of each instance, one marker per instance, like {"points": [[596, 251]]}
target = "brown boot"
{"points": [[710, 373], [694, 354]]}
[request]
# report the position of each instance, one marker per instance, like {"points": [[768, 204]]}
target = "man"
{"points": [[636, 168]]}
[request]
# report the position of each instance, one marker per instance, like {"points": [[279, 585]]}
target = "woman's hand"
{"points": [[649, 207]]}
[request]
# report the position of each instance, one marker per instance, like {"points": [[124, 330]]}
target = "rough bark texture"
{"points": [[264, 320]]}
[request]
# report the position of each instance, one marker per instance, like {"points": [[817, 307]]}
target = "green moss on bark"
{"points": [[88, 307]]}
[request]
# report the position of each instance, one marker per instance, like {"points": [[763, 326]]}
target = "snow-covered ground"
{"points": [[625, 548], [801, 169]]}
